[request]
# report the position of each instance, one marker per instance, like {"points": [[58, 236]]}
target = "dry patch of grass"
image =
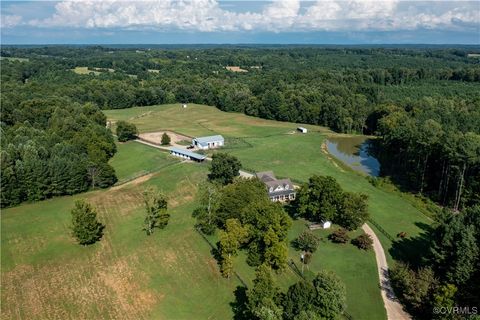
{"points": [[98, 289]]}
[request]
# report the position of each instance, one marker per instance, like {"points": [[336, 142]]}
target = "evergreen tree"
{"points": [[156, 208], [85, 226], [165, 141]]}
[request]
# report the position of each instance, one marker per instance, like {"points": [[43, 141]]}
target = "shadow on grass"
{"points": [[239, 306], [413, 250], [216, 254]]}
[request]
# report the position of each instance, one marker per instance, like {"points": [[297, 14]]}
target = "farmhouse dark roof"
{"points": [[269, 179]]}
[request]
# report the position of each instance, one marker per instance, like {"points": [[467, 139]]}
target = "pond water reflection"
{"points": [[353, 151]]}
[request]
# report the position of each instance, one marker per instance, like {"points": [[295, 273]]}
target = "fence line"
{"points": [[214, 248], [383, 231], [143, 173]]}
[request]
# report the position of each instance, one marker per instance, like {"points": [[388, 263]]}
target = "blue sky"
{"points": [[216, 21]]}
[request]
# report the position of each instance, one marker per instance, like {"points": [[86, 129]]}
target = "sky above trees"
{"points": [[215, 21]]}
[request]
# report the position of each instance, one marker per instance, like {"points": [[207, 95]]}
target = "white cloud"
{"points": [[10, 21], [277, 16]]}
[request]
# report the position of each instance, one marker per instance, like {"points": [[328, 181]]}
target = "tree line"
{"points": [[352, 90], [54, 147]]}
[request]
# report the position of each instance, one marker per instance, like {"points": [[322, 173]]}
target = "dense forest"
{"points": [[423, 102]]}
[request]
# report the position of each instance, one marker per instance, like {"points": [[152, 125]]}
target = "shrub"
{"points": [[339, 236], [363, 241]]}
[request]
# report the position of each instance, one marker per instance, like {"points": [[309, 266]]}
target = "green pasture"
{"points": [[134, 159], [271, 145], [127, 275]]}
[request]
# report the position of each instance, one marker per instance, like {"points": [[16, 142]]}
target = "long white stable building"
{"points": [[185, 154]]}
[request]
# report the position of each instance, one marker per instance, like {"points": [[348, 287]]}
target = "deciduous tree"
{"points": [[224, 168], [156, 210]]}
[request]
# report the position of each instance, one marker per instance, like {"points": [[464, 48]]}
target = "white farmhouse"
{"points": [[209, 142], [278, 189]]}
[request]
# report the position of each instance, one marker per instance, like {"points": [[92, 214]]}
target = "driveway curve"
{"points": [[394, 308]]}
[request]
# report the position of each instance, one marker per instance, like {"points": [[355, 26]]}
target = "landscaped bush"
{"points": [[363, 241], [339, 236]]}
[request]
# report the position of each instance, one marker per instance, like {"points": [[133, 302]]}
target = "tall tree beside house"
{"points": [[268, 224], [322, 198], [156, 209], [165, 141], [126, 131], [85, 226], [224, 168], [319, 199]]}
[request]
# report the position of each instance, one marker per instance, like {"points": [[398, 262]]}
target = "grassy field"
{"points": [[172, 274], [269, 145], [127, 275], [97, 71], [134, 159]]}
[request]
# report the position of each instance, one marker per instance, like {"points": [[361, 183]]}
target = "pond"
{"points": [[353, 151]]}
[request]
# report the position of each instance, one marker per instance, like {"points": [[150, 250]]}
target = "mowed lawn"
{"points": [[127, 275], [356, 268]]}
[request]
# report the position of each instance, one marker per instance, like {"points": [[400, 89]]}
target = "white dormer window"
{"points": [[287, 186], [271, 189]]}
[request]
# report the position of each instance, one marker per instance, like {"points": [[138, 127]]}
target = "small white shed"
{"points": [[302, 129], [326, 224]]}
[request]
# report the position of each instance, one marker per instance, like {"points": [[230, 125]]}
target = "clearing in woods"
{"points": [[172, 273], [269, 146]]}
